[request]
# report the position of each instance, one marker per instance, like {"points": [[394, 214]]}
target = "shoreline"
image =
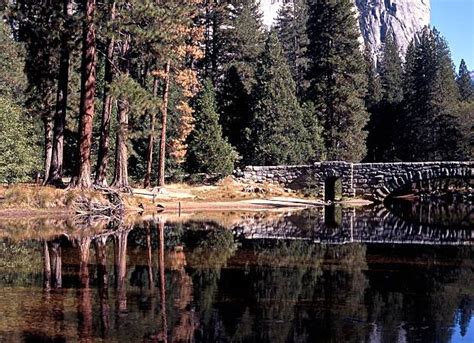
{"points": [[167, 206], [26, 201]]}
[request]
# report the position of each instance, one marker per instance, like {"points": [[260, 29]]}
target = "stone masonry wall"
{"points": [[293, 177], [370, 180], [381, 179]]}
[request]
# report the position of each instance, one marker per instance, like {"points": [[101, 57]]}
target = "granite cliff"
{"points": [[377, 18]]}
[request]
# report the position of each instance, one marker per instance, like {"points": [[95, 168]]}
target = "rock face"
{"points": [[403, 18], [377, 18]]}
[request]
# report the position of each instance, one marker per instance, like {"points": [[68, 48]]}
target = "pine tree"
{"points": [[36, 26], [337, 77], [387, 109], [291, 27], [209, 151], [429, 126], [103, 152], [234, 109], [57, 155], [240, 42], [241, 37], [465, 84], [276, 132], [82, 179]]}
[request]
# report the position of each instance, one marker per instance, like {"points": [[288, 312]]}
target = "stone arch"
{"points": [[435, 172]]}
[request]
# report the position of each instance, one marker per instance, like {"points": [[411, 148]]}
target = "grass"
{"points": [[36, 197]]}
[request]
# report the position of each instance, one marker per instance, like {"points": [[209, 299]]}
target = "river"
{"points": [[401, 273]]}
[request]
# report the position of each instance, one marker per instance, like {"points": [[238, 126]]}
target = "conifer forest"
{"points": [[122, 92]]}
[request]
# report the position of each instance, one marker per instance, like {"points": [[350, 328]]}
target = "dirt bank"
{"points": [[227, 195]]}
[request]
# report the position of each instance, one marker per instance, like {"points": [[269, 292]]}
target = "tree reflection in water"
{"points": [[210, 284]]}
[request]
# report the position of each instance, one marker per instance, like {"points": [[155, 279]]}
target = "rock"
{"points": [[376, 17]]}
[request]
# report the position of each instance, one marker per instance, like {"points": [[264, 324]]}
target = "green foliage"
{"points": [[234, 109], [213, 250], [465, 125], [386, 96], [429, 127], [465, 84], [291, 28], [20, 263], [277, 134], [38, 30], [12, 76], [337, 77], [209, 151], [240, 41], [17, 154]]}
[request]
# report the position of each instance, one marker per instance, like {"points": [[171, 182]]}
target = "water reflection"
{"points": [[339, 225], [165, 281]]}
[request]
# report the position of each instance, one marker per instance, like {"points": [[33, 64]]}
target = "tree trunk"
{"points": [[149, 257], [121, 151], [161, 264], [151, 141], [100, 245], [164, 117], [56, 264], [56, 169], [86, 112], [121, 271], [48, 146], [84, 249], [102, 159], [46, 267], [84, 301]]}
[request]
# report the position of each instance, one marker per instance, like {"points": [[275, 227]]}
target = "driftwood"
{"points": [[113, 208]]}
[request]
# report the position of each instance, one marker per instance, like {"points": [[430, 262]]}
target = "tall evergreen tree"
{"points": [[103, 151], [465, 83], [429, 126], [234, 108], [387, 110], [291, 27], [36, 24], [242, 39], [241, 43], [337, 77], [57, 155], [82, 179], [209, 151], [276, 133]]}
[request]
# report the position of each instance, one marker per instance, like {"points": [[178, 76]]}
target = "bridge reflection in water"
{"points": [[340, 225]]}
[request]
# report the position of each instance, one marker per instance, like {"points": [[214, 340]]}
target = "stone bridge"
{"points": [[348, 225], [373, 181]]}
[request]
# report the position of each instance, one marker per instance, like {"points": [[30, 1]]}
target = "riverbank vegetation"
{"points": [[124, 93]]}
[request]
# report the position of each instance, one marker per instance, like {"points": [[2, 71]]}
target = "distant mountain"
{"points": [[377, 18], [472, 76]]}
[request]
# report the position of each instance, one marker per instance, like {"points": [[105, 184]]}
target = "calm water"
{"points": [[403, 274]]}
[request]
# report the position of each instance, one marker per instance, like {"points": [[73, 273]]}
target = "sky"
{"points": [[455, 20]]}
